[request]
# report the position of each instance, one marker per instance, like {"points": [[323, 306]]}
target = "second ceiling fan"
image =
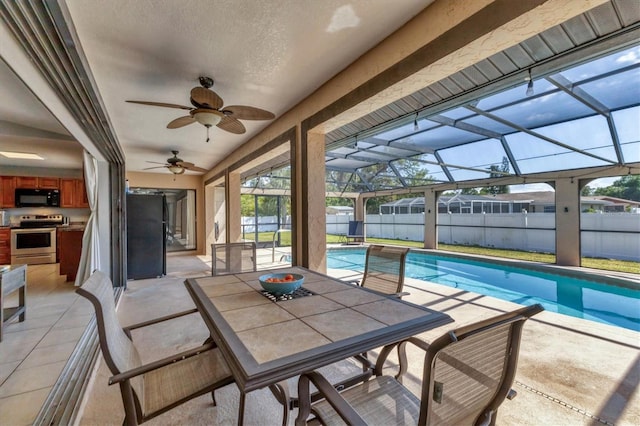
{"points": [[176, 166], [208, 110]]}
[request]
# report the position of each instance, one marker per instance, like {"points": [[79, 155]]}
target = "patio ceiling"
{"points": [[483, 123]]}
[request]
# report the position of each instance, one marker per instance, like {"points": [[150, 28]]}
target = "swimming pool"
{"points": [[580, 298]]}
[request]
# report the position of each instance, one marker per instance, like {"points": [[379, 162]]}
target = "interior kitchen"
{"points": [[43, 219]]}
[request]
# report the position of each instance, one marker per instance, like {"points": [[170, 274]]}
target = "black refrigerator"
{"points": [[146, 236]]}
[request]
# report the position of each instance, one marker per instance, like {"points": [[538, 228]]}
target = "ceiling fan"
{"points": [[208, 110], [176, 166]]}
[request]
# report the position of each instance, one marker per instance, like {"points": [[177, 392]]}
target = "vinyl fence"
{"points": [[606, 235]]}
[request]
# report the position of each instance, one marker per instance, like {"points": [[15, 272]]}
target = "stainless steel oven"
{"points": [[33, 246]]}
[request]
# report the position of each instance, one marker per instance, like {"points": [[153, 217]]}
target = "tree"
{"points": [[496, 172], [587, 191], [337, 201], [471, 191], [627, 187], [247, 205]]}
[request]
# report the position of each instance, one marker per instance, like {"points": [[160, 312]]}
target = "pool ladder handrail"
{"points": [[273, 243]]}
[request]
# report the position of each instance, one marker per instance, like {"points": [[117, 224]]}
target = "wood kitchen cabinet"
{"points": [[81, 194], [5, 246], [69, 249], [49, 183], [73, 193], [36, 182], [7, 191]]}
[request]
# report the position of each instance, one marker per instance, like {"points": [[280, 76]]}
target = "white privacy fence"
{"points": [[606, 235], [265, 223]]}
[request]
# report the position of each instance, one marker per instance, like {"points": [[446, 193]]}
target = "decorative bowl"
{"points": [[281, 283]]}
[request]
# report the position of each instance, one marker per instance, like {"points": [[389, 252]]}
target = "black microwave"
{"points": [[37, 197]]}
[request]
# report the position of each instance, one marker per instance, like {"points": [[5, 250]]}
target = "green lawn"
{"points": [[588, 262]]}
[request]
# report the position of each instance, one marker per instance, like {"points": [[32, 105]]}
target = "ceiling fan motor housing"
{"points": [[174, 159], [206, 82]]}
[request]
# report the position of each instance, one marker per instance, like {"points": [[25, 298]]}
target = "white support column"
{"points": [[567, 222], [430, 219], [216, 222], [233, 207], [358, 208]]}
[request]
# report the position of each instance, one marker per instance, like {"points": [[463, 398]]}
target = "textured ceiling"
{"points": [[265, 54], [269, 55]]}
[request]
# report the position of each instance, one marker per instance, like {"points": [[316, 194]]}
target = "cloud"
{"points": [[630, 57]]}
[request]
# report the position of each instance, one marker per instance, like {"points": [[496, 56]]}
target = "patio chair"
{"points": [[154, 388], [384, 269], [356, 231], [384, 272], [467, 374], [231, 258]]}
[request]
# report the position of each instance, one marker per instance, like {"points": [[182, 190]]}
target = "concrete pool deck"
{"points": [[571, 371]]}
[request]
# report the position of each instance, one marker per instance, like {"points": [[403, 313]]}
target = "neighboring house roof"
{"points": [[535, 198], [615, 200], [538, 196], [596, 201], [341, 209]]}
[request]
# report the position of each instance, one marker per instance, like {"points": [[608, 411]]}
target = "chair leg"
{"points": [[213, 397], [241, 409], [281, 392], [129, 404]]}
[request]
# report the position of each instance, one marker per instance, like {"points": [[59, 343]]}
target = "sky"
{"points": [[535, 187]]}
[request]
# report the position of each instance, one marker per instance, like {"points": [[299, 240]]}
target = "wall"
{"points": [[170, 181]]}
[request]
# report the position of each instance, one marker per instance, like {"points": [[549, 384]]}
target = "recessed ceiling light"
{"points": [[21, 155]]}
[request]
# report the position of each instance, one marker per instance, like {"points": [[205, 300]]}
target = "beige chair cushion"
{"points": [[380, 401], [181, 380]]}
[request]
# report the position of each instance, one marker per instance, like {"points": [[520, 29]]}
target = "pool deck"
{"points": [[571, 371]]}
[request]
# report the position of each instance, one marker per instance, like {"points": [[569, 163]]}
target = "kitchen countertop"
{"points": [[71, 227]]}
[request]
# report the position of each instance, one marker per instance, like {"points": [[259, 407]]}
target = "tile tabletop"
{"points": [[266, 341]]}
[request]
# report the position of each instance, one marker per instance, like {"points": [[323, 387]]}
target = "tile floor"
{"points": [[34, 352], [571, 372]]}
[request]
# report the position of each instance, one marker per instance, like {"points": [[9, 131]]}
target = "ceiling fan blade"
{"points": [[243, 112], [191, 166], [161, 104], [158, 167], [231, 125], [181, 122], [206, 97], [155, 162]]}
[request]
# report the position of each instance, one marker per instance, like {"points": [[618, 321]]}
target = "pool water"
{"points": [[580, 298]]}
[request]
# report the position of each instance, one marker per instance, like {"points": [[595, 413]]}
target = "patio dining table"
{"points": [[265, 340]]}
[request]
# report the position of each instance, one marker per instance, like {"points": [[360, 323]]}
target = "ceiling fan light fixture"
{"points": [[206, 117], [175, 169]]}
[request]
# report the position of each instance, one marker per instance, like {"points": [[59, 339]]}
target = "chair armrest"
{"points": [[160, 363], [159, 319], [333, 397], [281, 392], [402, 355]]}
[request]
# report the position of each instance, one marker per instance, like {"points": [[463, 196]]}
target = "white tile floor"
{"points": [[34, 352]]}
